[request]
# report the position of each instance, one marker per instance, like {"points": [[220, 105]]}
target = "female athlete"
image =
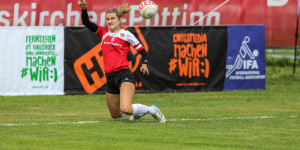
{"points": [[120, 80]]}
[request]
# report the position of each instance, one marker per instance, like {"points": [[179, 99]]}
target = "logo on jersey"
{"points": [[122, 35]]}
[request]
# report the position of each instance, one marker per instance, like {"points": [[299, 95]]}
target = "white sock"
{"points": [[142, 109]]}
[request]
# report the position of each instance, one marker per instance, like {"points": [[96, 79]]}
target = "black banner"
{"points": [[180, 59], [78, 43]]}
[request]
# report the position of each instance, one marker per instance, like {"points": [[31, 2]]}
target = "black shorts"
{"points": [[115, 79]]}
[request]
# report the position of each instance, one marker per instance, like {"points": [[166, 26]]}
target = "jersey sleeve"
{"points": [[134, 42], [101, 31]]}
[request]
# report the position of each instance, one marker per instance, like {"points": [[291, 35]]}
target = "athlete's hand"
{"points": [[82, 4], [144, 69]]}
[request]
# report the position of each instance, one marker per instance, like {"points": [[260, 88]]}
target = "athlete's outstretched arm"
{"points": [[85, 18], [144, 67]]}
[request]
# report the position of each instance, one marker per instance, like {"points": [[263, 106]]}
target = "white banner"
{"points": [[32, 60]]}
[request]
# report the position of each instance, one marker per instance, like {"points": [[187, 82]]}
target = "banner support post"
{"points": [[296, 37]]}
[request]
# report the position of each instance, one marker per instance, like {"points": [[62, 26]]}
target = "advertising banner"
{"points": [[245, 67], [180, 59], [83, 73], [278, 16], [188, 59], [32, 61]]}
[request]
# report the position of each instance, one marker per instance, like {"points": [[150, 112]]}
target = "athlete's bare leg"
{"points": [[127, 91], [119, 104], [113, 104]]}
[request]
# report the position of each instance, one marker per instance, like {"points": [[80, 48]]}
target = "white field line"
{"points": [[28, 124], [168, 120]]}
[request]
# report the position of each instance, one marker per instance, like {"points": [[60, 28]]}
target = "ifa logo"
{"points": [[245, 60]]}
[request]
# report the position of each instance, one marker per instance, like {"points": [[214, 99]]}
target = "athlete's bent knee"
{"points": [[115, 116], [127, 110]]}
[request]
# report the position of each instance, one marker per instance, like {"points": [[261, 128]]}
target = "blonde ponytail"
{"points": [[123, 9]]}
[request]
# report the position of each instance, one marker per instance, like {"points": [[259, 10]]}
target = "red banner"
{"points": [[278, 16]]}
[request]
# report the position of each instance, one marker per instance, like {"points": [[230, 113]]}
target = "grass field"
{"points": [[249, 119]]}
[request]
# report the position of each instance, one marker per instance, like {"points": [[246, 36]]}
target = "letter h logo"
{"points": [[87, 68]]}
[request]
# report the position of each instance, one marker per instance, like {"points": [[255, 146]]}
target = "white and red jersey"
{"points": [[115, 47]]}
